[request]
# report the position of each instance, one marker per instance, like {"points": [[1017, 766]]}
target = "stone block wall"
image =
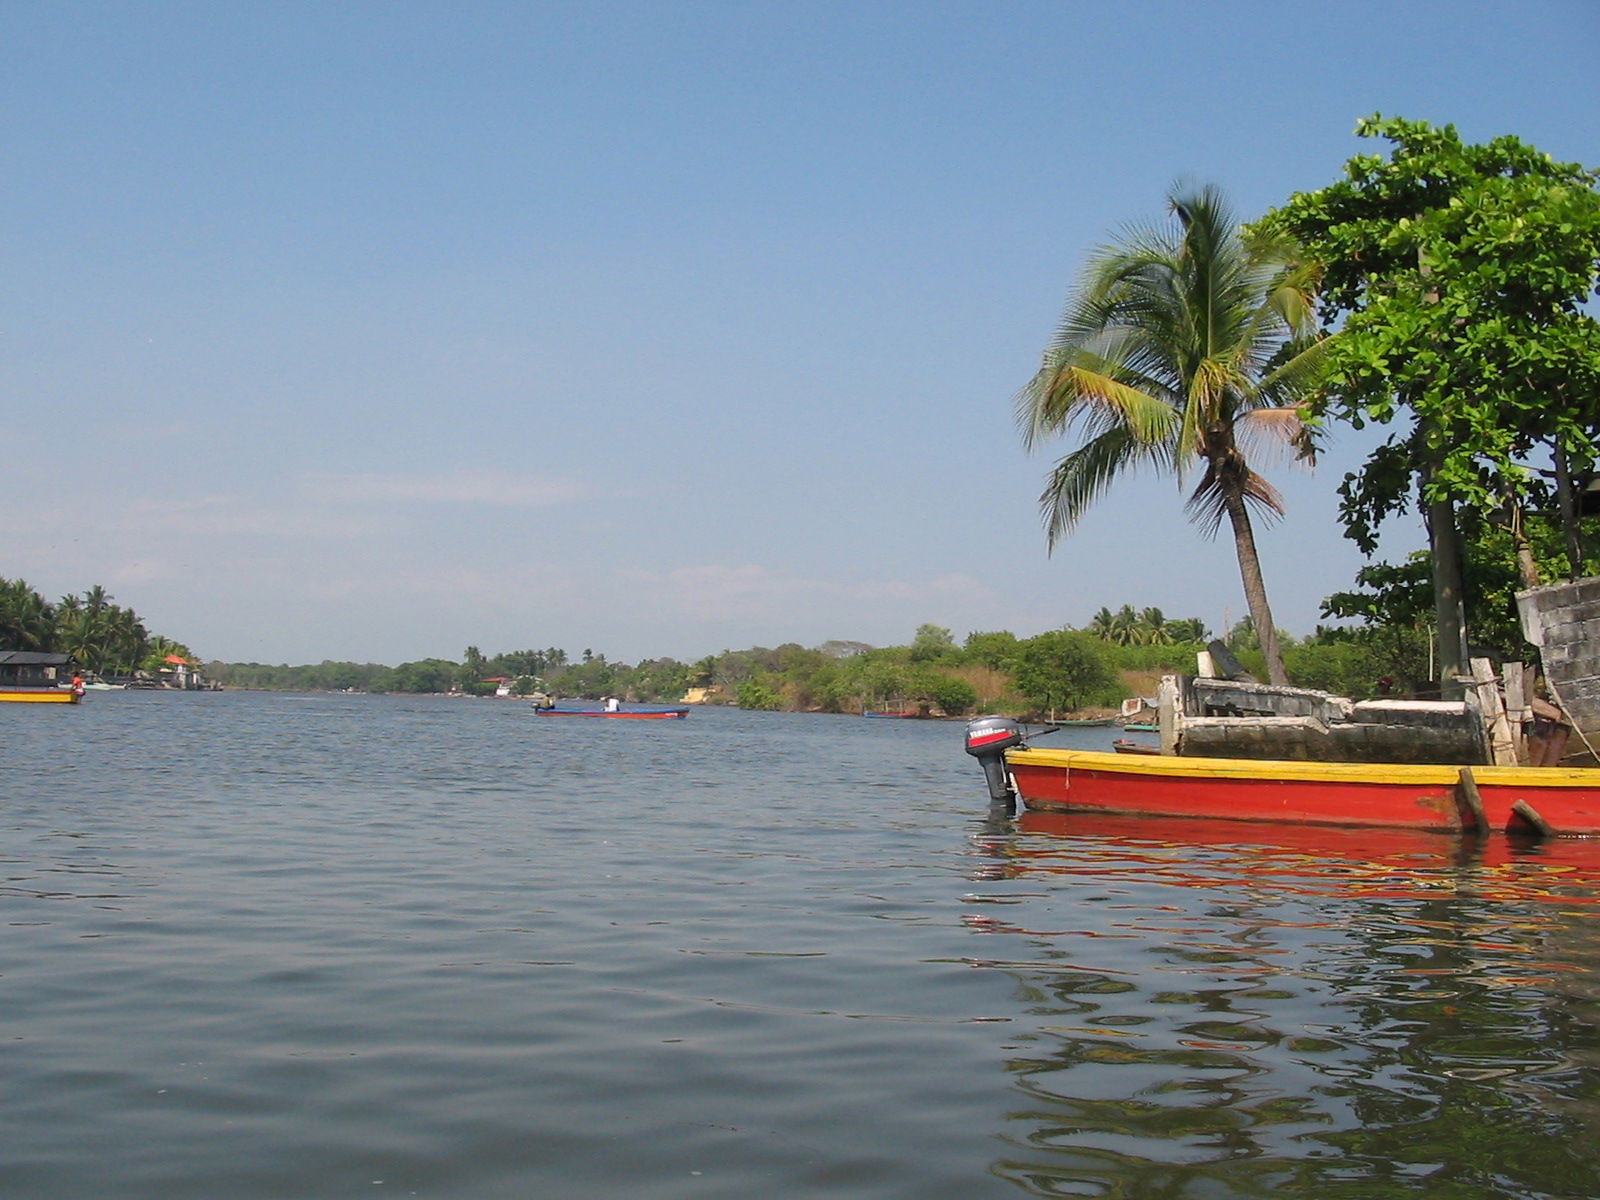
{"points": [[1563, 620]]}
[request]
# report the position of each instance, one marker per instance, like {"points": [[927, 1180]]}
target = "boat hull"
{"points": [[39, 695], [1374, 795], [649, 714]]}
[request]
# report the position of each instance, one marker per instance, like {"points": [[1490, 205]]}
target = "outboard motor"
{"points": [[988, 739]]}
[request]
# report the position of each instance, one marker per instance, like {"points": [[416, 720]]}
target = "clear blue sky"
{"points": [[372, 330]]}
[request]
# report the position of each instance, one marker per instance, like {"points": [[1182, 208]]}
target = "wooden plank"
{"points": [[1517, 712], [1501, 750]]}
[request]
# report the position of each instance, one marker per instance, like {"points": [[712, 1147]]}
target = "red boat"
{"points": [[1562, 801], [1547, 801]]}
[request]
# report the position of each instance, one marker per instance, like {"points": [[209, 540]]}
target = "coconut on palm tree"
{"points": [[1181, 344]]}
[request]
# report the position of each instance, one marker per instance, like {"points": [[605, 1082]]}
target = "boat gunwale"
{"points": [[1288, 770]]}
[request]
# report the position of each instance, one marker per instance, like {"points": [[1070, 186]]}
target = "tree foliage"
{"points": [[1455, 274], [105, 637], [1064, 671]]}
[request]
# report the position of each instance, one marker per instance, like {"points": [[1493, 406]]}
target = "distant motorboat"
{"points": [[626, 714]]}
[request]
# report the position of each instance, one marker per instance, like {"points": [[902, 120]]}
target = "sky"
{"points": [[372, 331]]}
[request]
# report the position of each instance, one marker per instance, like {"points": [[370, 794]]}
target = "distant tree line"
{"points": [[1119, 653], [105, 638]]}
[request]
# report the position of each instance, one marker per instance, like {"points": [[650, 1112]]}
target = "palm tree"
{"points": [[1187, 629], [1154, 628], [1125, 626], [1103, 623], [27, 620], [1179, 345]]}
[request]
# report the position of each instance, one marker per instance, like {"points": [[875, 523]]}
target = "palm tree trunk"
{"points": [[1570, 528], [1449, 603], [1255, 588]]}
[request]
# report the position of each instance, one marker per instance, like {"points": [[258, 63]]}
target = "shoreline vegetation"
{"points": [[1066, 672], [107, 640]]}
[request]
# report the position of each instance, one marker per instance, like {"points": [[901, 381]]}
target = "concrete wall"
{"points": [[1563, 620]]}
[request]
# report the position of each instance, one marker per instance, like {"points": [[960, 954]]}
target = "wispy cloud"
{"points": [[224, 515], [752, 591], [500, 489]]}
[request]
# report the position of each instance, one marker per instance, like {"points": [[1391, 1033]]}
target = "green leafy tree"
{"points": [[758, 695], [1179, 345], [1063, 671], [932, 643], [425, 675], [994, 650], [955, 697], [1456, 274], [659, 679], [883, 679]]}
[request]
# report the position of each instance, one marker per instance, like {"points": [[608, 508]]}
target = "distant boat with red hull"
{"points": [[623, 714]]}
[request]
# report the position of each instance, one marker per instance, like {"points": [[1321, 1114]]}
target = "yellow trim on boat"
{"points": [[1308, 772]]}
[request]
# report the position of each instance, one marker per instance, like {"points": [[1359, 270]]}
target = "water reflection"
{"points": [[1293, 1012]]}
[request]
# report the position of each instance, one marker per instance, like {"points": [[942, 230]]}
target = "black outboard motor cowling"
{"points": [[988, 739]]}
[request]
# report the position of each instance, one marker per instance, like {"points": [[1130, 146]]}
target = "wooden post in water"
{"points": [[1469, 805]]}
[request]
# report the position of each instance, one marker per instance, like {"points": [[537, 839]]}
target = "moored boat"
{"points": [[1563, 801], [1451, 797], [34, 677]]}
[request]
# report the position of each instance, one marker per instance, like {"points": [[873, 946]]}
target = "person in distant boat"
{"points": [[612, 704], [77, 684]]}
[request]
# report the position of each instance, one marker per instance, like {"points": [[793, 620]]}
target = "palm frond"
{"points": [[1066, 393], [1080, 478], [1296, 370], [1270, 432], [1207, 505]]}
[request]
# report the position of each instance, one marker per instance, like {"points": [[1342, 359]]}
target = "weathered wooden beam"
{"points": [[1528, 815], [1517, 690], [1469, 805]]}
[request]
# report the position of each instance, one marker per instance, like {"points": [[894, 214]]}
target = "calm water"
{"points": [[322, 946]]}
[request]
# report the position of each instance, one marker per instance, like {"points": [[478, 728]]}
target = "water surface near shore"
{"points": [[264, 946]]}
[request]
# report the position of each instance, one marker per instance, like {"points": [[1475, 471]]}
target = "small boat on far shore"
{"points": [[625, 714]]}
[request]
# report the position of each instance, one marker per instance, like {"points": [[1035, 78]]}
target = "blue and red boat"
{"points": [[625, 714]]}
